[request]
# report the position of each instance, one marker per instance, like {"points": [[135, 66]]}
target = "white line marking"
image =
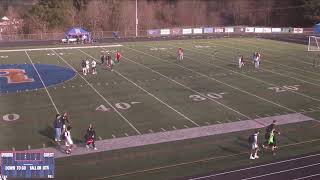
{"points": [[150, 130], [254, 167], [62, 48], [174, 127], [258, 116], [295, 92], [163, 129], [239, 119], [305, 177], [54, 105], [219, 122], [278, 172], [126, 134], [188, 88], [113, 136], [207, 123], [311, 109], [170, 107], [221, 82], [267, 115], [115, 109], [185, 126]]}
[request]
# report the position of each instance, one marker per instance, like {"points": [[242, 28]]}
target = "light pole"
{"points": [[136, 18]]}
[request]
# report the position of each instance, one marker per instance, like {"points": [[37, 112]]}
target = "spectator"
{"points": [[65, 118], [90, 137], [57, 124]]}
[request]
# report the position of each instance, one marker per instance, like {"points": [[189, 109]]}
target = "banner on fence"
{"points": [[249, 29], [208, 30], [229, 29], [197, 30], [286, 30], [258, 30], [297, 30], [165, 31], [266, 30], [186, 31], [153, 32], [176, 31], [276, 30], [218, 30]]}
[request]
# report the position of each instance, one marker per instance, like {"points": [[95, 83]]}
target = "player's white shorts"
{"points": [[87, 66], [68, 141], [83, 69], [254, 146]]}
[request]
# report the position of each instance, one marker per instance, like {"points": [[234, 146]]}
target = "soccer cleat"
{"points": [[95, 148], [87, 146], [251, 157], [256, 157], [55, 139]]}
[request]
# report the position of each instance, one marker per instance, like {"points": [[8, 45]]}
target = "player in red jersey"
{"points": [[180, 54], [117, 57]]}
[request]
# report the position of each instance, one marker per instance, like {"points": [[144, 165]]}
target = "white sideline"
{"points": [[43, 84], [184, 116], [254, 167], [58, 48], [89, 84]]}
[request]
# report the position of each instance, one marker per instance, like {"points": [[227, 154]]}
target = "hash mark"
{"points": [[258, 116], [100, 138], [174, 127], [186, 126], [163, 129], [267, 115], [207, 123], [219, 122], [126, 134], [311, 109], [150, 130], [113, 136]]}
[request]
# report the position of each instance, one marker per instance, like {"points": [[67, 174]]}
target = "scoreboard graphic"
{"points": [[22, 164]]}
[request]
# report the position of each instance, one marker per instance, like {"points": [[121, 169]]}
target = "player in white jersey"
{"points": [[87, 66], [93, 67], [241, 62], [68, 139], [254, 147], [257, 60]]}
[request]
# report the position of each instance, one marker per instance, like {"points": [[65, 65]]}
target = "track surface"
{"points": [[301, 167]]}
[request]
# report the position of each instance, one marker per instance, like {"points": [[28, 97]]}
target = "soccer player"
{"points": [[241, 62], [103, 58], [57, 124], [253, 141], [83, 65], [90, 137], [93, 67], [272, 142], [109, 62], [117, 56], [67, 139], [180, 54], [257, 60], [87, 66]]}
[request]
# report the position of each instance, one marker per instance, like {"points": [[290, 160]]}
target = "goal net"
{"points": [[314, 43]]}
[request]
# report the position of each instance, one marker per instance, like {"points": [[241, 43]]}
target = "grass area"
{"points": [[206, 88]]}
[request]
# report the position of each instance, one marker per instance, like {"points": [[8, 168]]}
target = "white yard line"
{"points": [[250, 77], [221, 82], [115, 109], [278, 172], [43, 84], [307, 177], [152, 95], [298, 79], [57, 48], [225, 106], [255, 167]]}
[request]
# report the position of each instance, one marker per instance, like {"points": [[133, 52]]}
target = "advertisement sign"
{"points": [[153, 32], [266, 30], [186, 31], [297, 30], [218, 30], [276, 30], [175, 31], [229, 29], [165, 31], [197, 31], [258, 30], [286, 30], [250, 29], [208, 30]]}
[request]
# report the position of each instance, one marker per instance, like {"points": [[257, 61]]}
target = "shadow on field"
{"points": [[47, 132]]}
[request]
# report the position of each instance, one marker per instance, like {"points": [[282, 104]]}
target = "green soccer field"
{"points": [[149, 91]]}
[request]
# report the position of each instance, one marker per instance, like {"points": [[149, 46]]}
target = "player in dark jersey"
{"points": [[109, 62], [84, 69], [103, 58]]}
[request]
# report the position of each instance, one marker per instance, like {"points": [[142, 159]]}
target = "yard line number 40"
{"points": [[285, 88]]}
